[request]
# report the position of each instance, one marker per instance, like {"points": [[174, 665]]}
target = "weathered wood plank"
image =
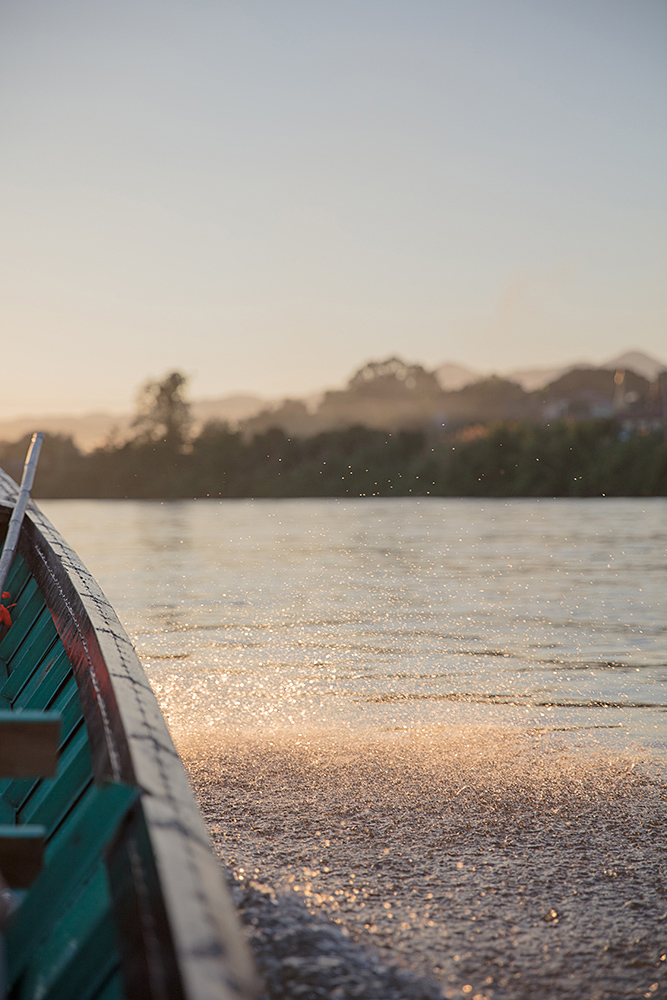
{"points": [[63, 880], [54, 797], [21, 854], [79, 956], [18, 791], [53, 673], [28, 606], [29, 744], [26, 660]]}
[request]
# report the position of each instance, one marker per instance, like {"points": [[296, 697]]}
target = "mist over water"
{"points": [[439, 724]]}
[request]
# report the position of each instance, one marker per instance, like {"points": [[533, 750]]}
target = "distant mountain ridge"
{"points": [[452, 376], [91, 430]]}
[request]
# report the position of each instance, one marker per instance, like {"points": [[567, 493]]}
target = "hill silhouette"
{"points": [[394, 393], [440, 444]]}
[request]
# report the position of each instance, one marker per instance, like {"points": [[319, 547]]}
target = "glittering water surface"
{"points": [[536, 614], [428, 737]]}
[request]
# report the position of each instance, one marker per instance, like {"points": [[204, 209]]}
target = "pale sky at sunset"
{"points": [[266, 194]]}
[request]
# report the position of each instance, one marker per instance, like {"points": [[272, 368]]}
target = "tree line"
{"points": [[164, 459], [564, 459]]}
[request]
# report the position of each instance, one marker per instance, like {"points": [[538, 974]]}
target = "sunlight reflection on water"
{"points": [[538, 614], [374, 699]]}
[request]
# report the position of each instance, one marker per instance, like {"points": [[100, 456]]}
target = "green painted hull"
{"points": [[130, 902]]}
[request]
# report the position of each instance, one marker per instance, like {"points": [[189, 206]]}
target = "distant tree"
{"points": [[594, 392], [292, 416], [61, 467], [390, 395], [489, 399], [393, 377], [163, 415]]}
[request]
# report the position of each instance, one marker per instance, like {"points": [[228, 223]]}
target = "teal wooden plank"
{"points": [[42, 630], [80, 954], [26, 659], [96, 962], [112, 989], [42, 687], [63, 878], [17, 791], [18, 576], [54, 797], [20, 596], [68, 825], [50, 953], [24, 615], [7, 812], [96, 965], [68, 706], [16, 580]]}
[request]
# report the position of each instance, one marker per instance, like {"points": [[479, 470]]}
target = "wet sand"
{"points": [[455, 863]]}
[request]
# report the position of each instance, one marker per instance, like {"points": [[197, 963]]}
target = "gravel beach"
{"points": [[444, 863]]}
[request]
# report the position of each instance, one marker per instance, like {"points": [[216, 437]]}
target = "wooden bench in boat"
{"points": [[29, 744], [28, 749]]}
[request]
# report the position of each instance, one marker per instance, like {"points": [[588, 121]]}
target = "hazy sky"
{"points": [[267, 193]]}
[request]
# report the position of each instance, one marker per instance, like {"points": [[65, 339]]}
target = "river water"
{"points": [[441, 723], [529, 614]]}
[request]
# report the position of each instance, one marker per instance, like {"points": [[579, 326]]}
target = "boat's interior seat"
{"points": [[29, 744], [28, 749]]}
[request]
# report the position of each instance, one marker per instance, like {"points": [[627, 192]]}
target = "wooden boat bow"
{"points": [[172, 916]]}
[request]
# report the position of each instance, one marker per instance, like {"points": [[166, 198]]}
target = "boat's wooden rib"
{"points": [[168, 919]]}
